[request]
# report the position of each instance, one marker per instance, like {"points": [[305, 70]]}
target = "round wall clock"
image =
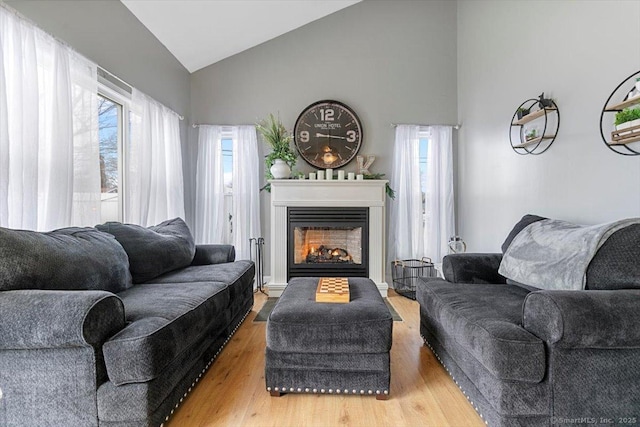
{"points": [[328, 134]]}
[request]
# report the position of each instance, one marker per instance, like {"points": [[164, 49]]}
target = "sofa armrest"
{"points": [[33, 319], [214, 254], [472, 268], [584, 319]]}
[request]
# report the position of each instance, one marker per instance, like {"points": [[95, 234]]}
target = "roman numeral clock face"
{"points": [[328, 134]]}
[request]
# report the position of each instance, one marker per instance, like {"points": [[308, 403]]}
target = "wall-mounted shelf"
{"points": [[624, 141], [532, 116], [547, 117], [532, 141], [621, 106]]}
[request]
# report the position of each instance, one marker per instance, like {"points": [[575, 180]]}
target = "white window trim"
{"points": [[108, 90]]}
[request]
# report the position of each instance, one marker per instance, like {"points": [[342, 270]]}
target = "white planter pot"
{"points": [[625, 125], [280, 169]]}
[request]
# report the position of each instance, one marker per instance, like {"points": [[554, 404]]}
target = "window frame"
{"points": [[228, 133], [117, 95], [423, 134]]}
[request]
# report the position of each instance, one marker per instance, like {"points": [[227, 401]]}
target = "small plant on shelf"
{"points": [[627, 115], [522, 112], [531, 134]]}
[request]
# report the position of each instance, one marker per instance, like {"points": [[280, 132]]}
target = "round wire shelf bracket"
{"points": [[538, 144], [621, 141]]}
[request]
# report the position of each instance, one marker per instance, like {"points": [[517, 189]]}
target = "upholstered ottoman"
{"points": [[329, 348]]}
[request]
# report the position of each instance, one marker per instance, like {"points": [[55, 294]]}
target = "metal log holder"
{"points": [[405, 274], [257, 256]]}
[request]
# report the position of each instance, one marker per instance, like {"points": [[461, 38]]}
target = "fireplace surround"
{"points": [[340, 194]]}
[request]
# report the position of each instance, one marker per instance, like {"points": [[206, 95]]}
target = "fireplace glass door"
{"points": [[329, 242], [327, 245]]}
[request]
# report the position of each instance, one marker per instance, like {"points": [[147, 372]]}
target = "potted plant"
{"points": [[282, 157], [627, 118], [531, 134], [521, 112]]}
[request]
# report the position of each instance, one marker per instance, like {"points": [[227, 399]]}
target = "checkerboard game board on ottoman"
{"points": [[315, 347]]}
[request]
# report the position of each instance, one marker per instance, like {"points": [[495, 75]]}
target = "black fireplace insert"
{"points": [[328, 242]]}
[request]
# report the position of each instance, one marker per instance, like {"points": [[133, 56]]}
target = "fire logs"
{"points": [[325, 254]]}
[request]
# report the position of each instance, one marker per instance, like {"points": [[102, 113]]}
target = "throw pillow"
{"points": [[66, 259], [520, 225], [155, 250]]}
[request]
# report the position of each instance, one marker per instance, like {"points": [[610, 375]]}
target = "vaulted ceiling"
{"points": [[201, 32]]}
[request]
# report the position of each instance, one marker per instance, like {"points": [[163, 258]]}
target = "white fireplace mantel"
{"points": [[327, 193]]}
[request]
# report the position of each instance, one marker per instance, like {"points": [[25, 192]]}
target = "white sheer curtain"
{"points": [[246, 189], [210, 218], [49, 154], [439, 208], [421, 226], [154, 190], [405, 222]]}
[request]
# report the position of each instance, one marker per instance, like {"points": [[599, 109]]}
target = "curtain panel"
{"points": [[246, 189], [154, 187], [420, 225], [439, 202], [210, 212], [49, 153], [405, 222], [211, 221]]}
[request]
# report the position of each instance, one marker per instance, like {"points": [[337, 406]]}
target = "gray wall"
{"points": [[108, 34], [576, 52], [391, 61]]}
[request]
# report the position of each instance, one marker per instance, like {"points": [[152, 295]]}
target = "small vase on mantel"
{"points": [[280, 169]]}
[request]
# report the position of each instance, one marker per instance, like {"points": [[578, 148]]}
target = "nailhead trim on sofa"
{"points": [[206, 368]]}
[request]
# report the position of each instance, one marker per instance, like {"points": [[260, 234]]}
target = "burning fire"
{"points": [[325, 254]]}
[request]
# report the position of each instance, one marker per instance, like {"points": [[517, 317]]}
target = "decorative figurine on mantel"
{"points": [[363, 168]]}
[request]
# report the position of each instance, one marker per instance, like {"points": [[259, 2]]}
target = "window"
{"points": [[109, 133], [226, 141], [424, 146], [113, 123], [227, 163], [423, 150]]}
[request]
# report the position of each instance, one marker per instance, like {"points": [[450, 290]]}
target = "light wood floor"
{"points": [[232, 393]]}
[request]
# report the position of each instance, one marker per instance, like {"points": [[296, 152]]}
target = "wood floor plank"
{"points": [[232, 392]]}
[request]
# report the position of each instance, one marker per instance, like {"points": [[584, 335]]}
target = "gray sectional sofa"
{"points": [[529, 356], [113, 325]]}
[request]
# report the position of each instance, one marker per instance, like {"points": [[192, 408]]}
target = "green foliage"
{"points": [[276, 135], [390, 192], [627, 115]]}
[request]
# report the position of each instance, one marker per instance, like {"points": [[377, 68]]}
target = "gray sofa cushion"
{"points": [[155, 250], [616, 265], [164, 321], [239, 275], [487, 321], [65, 259]]}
